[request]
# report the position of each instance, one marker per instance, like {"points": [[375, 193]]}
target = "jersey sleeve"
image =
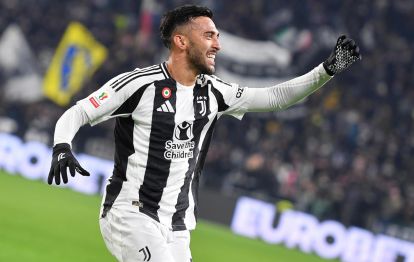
{"points": [[102, 104], [283, 95], [68, 125], [232, 99], [235, 100]]}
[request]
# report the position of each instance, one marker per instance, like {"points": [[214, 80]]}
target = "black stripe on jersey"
{"points": [[158, 167], [201, 106], [132, 102], [134, 76], [137, 70], [165, 70], [124, 147], [200, 165], [222, 106]]}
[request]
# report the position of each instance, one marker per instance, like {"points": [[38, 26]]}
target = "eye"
{"points": [[209, 35]]}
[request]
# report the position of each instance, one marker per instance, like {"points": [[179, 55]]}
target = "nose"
{"points": [[216, 44]]}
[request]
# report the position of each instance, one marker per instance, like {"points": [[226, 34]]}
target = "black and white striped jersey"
{"points": [[162, 134]]}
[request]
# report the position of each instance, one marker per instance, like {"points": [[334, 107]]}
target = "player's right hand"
{"points": [[62, 159]]}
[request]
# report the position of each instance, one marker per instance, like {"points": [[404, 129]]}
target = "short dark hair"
{"points": [[179, 16]]}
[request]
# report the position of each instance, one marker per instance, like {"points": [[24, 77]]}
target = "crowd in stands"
{"points": [[349, 156]]}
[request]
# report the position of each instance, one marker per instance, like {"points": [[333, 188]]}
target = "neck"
{"points": [[181, 71]]}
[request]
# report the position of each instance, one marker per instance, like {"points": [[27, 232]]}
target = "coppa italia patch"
{"points": [[96, 101], [166, 92], [103, 96]]}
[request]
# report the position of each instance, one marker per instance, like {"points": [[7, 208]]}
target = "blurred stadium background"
{"points": [[328, 178]]}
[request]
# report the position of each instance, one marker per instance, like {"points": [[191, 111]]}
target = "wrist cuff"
{"points": [[61, 147], [329, 72]]}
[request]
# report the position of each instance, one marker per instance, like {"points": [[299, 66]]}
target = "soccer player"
{"points": [[165, 116]]}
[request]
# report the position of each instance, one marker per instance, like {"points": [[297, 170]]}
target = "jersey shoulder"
{"points": [[214, 80], [139, 76]]}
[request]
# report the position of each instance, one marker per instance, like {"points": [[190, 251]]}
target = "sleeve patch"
{"points": [[99, 99]]}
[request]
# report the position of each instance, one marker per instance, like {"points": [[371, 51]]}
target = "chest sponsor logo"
{"points": [[182, 146]]}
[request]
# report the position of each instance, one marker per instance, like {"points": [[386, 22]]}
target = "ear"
{"points": [[180, 41]]}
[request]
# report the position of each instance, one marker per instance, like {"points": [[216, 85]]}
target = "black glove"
{"points": [[345, 53], [62, 159]]}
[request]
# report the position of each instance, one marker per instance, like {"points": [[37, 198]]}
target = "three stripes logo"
{"points": [[166, 107], [146, 252]]}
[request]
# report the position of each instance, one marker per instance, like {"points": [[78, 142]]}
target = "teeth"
{"points": [[211, 56]]}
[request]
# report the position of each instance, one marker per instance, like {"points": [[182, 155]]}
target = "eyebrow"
{"points": [[212, 33]]}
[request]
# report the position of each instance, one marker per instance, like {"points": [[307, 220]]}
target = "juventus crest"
{"points": [[202, 101]]}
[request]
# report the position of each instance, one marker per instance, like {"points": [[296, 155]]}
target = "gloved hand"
{"points": [[62, 159], [346, 52]]}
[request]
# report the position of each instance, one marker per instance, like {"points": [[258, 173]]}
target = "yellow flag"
{"points": [[77, 57]]}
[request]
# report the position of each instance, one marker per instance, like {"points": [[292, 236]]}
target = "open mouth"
{"points": [[211, 57]]}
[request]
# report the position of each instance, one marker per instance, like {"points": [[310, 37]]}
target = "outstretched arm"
{"points": [[283, 95]]}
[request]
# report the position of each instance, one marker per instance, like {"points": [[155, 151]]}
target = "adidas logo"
{"points": [[166, 107]]}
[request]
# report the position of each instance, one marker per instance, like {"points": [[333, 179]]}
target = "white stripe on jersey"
{"points": [[142, 144], [179, 166], [190, 219]]}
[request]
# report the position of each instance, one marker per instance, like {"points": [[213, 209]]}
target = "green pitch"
{"points": [[44, 223]]}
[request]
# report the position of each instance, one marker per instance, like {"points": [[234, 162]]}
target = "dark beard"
{"points": [[196, 61]]}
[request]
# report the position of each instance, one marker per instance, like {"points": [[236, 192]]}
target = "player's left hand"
{"points": [[345, 53], [62, 159]]}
